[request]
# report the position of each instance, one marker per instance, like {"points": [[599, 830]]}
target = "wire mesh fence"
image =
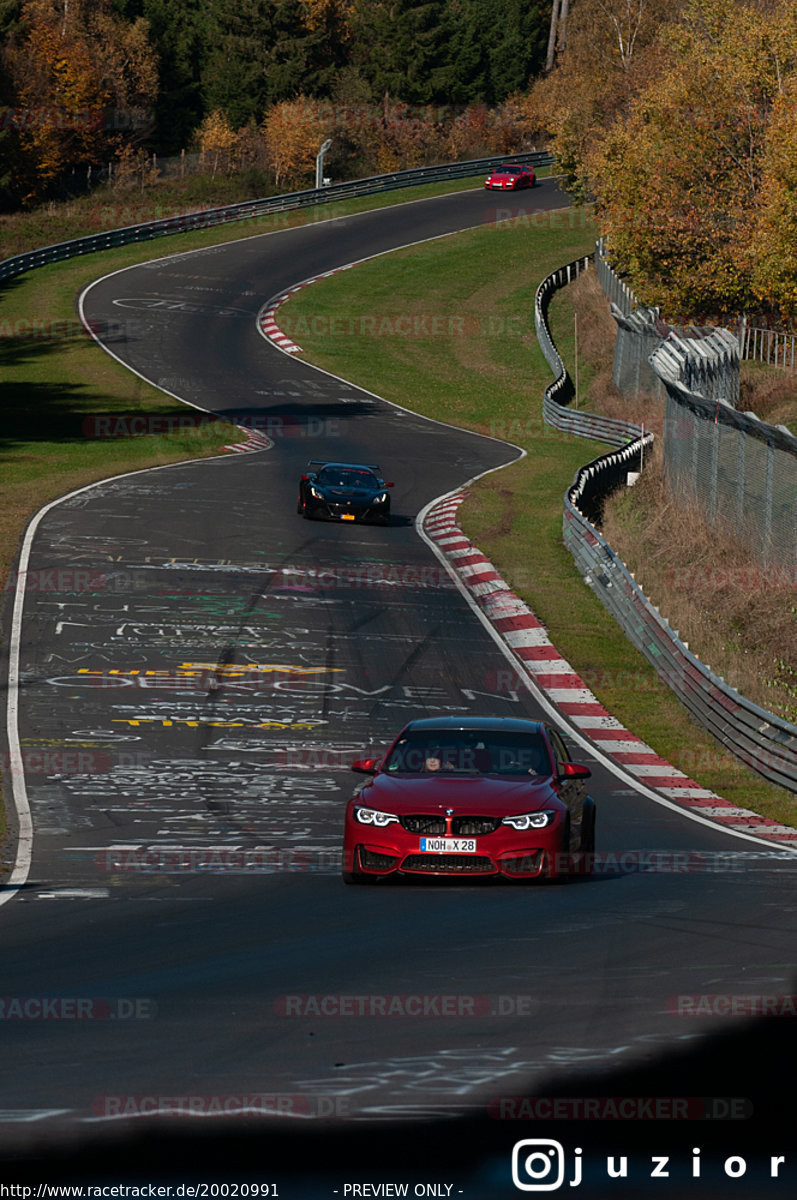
{"points": [[732, 463], [723, 453], [738, 468]]}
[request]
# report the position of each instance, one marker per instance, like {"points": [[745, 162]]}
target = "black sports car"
{"points": [[343, 492]]}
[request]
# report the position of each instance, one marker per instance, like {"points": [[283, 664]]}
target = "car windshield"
{"points": [[345, 477], [470, 752]]}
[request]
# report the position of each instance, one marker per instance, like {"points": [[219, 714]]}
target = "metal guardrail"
{"points": [[768, 346], [764, 742], [558, 394], [249, 210], [761, 740]]}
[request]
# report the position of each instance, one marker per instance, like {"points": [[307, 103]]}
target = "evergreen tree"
{"points": [[501, 47], [234, 73], [403, 48], [180, 32]]}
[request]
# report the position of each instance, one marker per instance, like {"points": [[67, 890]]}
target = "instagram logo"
{"points": [[538, 1165]]}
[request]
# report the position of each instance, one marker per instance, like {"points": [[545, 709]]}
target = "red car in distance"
{"points": [[511, 177], [468, 797]]}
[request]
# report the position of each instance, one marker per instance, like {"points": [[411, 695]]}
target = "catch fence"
{"points": [[761, 740]]}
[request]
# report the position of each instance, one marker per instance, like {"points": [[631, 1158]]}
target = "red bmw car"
{"points": [[510, 178], [470, 796]]}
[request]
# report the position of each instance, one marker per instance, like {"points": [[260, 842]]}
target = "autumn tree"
{"points": [[218, 141], [82, 79], [772, 250], [293, 135], [598, 72], [60, 103], [678, 180], [332, 19]]}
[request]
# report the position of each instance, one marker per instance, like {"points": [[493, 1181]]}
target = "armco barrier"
{"points": [[560, 392], [758, 738], [250, 210]]}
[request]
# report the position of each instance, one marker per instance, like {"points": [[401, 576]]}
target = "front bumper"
{"points": [[349, 512], [512, 856]]}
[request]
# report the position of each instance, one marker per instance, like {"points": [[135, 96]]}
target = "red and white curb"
{"points": [[267, 317], [255, 440], [552, 675], [267, 323]]}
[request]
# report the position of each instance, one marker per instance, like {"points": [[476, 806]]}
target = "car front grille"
{"points": [[429, 824], [474, 826], [460, 864], [423, 823]]}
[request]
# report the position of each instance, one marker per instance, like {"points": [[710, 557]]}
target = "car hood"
{"points": [[348, 493], [466, 794]]}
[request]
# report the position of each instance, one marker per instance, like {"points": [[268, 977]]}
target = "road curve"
{"points": [[189, 691]]}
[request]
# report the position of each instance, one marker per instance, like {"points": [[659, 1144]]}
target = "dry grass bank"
{"points": [[738, 616]]}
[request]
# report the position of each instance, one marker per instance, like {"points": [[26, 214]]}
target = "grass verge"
{"points": [[487, 373]]}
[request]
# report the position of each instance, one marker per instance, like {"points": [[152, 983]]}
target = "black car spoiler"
{"points": [[324, 462]]}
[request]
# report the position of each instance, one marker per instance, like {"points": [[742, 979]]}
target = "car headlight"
{"points": [[533, 820], [380, 499], [314, 492], [372, 816]]}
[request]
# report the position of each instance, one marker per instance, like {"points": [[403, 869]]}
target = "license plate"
{"points": [[347, 516], [444, 845]]}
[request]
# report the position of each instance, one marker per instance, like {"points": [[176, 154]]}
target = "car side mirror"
{"points": [[574, 770], [303, 478], [365, 766], [390, 485]]}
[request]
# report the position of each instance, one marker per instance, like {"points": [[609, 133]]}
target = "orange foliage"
{"points": [[294, 132], [328, 14], [698, 180], [218, 141], [773, 242], [82, 78], [61, 102]]}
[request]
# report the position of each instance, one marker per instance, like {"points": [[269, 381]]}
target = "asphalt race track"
{"points": [[190, 694]]}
